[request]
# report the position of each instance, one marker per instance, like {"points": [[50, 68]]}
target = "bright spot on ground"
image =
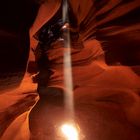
{"points": [[70, 132]]}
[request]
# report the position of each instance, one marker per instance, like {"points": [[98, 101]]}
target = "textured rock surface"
{"points": [[107, 102]]}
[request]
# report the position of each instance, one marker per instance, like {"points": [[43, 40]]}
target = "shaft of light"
{"points": [[65, 11], [68, 81], [67, 65]]}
